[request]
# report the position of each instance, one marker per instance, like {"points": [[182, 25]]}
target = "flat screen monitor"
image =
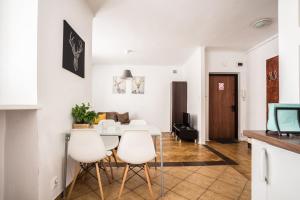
{"points": [[186, 119]]}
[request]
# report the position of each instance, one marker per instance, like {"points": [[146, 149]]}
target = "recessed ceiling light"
{"points": [[128, 51], [262, 23]]}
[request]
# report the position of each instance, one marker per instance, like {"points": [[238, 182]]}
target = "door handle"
{"points": [[265, 166], [233, 108]]}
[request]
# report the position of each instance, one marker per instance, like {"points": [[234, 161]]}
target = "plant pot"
{"points": [[80, 126]]}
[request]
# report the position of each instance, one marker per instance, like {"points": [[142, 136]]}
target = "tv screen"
{"points": [[186, 119]]}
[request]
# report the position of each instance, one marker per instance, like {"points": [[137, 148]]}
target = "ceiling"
{"points": [[165, 32]]}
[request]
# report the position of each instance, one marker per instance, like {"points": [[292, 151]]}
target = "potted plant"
{"points": [[83, 117]]}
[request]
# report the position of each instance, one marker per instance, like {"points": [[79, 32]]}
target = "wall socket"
{"points": [[54, 182]]}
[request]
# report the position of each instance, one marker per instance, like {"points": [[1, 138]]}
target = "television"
{"points": [[186, 119]]}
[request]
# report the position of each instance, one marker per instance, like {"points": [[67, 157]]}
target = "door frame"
{"points": [[237, 113]]}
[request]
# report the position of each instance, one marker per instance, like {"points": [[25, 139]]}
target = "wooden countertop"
{"points": [[291, 143]]}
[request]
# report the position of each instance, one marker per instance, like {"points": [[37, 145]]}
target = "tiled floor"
{"points": [[238, 152], [216, 182], [175, 151]]}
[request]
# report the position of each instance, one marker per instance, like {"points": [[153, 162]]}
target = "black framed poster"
{"points": [[73, 51]]}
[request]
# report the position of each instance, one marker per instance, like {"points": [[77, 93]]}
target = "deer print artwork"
{"points": [[73, 51], [138, 85], [76, 50], [119, 85]]}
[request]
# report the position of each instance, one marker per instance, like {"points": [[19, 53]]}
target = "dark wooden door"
{"points": [[179, 101], [272, 80], [223, 107]]}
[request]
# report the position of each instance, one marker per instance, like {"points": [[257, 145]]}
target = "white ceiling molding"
{"points": [[274, 37]]}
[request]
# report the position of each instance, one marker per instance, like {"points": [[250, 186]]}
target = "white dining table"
{"points": [[119, 131]]}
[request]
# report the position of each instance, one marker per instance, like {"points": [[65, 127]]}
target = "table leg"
{"points": [[155, 146], [67, 139], [161, 167]]}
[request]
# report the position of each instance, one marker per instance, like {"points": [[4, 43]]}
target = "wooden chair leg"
{"points": [[115, 158], [99, 181], [148, 168], [155, 146], [148, 180], [124, 171], [106, 173], [123, 181], [73, 182], [111, 170]]}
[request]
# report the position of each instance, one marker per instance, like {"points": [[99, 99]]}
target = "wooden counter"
{"points": [[291, 143]]}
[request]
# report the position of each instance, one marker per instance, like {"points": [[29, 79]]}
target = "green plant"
{"points": [[83, 115]]}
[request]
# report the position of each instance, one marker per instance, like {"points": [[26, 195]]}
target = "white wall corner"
{"points": [[59, 96], [94, 5], [256, 83], [194, 74], [203, 119], [289, 42]]}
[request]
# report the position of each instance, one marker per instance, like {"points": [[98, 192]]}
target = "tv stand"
{"points": [[185, 132]]}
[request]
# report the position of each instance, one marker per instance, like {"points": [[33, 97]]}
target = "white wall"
{"points": [[222, 60], [21, 156], [289, 41], [194, 74], [2, 153], [58, 89], [153, 106], [256, 82], [18, 52]]}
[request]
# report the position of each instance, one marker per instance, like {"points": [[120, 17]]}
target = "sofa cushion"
{"points": [[111, 115], [99, 118], [123, 118]]}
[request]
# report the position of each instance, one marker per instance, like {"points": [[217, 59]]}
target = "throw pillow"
{"points": [[99, 118], [112, 115], [123, 118]]}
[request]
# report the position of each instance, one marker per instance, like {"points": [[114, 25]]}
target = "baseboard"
{"points": [[60, 196], [243, 139]]}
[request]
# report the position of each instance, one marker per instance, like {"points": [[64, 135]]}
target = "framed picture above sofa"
{"points": [[119, 85], [138, 85]]}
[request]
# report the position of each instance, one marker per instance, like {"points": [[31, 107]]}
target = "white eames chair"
{"points": [[110, 142], [86, 147], [136, 148], [137, 122], [141, 122]]}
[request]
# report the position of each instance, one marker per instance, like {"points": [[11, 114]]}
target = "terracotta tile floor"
{"points": [[220, 182], [238, 152]]}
